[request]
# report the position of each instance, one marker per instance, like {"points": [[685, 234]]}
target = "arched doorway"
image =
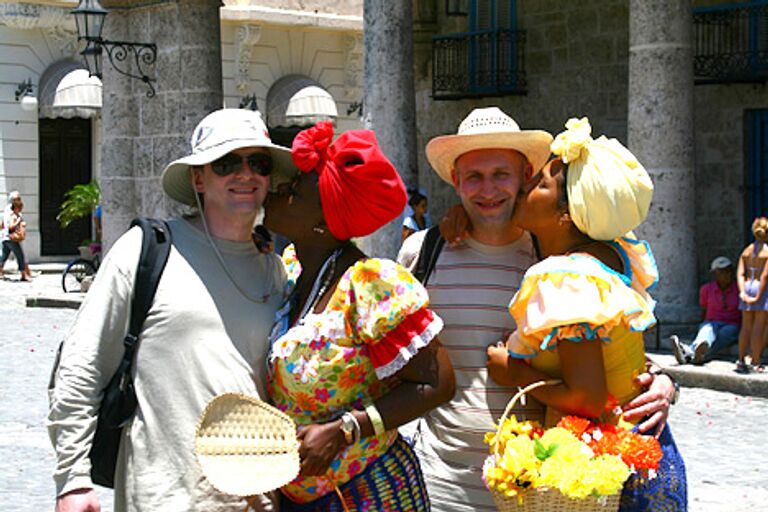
{"points": [[69, 100], [296, 102]]}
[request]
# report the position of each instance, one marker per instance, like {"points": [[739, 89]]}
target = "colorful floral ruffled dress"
{"points": [[576, 297], [340, 359]]}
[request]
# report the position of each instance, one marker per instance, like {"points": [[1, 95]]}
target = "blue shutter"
{"points": [[757, 166]]}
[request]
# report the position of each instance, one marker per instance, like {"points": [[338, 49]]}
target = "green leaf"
{"points": [[79, 201], [542, 452]]}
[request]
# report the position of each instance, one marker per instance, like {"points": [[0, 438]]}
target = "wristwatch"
{"points": [[661, 371], [350, 427]]}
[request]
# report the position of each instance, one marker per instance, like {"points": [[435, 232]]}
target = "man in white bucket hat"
{"points": [[205, 333], [470, 286]]}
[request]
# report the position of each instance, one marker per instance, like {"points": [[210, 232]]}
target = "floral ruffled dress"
{"points": [[343, 358]]}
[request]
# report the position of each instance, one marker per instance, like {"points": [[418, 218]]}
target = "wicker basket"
{"points": [[545, 499], [245, 446]]}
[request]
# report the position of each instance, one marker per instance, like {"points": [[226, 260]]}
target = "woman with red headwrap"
{"points": [[355, 352]]}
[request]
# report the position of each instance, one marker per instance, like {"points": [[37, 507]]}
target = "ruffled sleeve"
{"points": [[575, 298], [386, 309]]}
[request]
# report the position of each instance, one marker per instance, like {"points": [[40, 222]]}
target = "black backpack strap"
{"points": [[430, 250], [155, 248], [118, 403]]}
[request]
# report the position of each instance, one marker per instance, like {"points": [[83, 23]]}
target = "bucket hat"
{"points": [[487, 128], [219, 133]]}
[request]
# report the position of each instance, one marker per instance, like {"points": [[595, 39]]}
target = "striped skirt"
{"points": [[393, 483]]}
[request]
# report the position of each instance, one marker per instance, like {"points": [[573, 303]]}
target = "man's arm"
{"points": [[90, 355]]}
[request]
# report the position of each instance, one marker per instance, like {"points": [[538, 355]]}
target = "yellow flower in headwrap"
{"points": [[609, 191], [570, 144]]}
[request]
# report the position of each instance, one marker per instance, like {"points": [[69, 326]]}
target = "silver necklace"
{"points": [[264, 298]]}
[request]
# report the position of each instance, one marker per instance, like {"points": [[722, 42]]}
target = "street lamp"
{"points": [[25, 91], [89, 17]]}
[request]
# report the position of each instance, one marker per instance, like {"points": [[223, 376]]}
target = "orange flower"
{"points": [[351, 377], [366, 273], [306, 402], [642, 452], [574, 424]]}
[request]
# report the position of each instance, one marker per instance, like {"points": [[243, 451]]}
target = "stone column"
{"points": [[389, 100], [660, 133], [142, 134]]}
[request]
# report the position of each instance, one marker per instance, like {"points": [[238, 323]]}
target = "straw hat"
{"points": [[487, 128], [219, 133], [245, 446]]}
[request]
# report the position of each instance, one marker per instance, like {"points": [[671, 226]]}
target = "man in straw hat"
{"points": [[204, 335], [486, 162]]}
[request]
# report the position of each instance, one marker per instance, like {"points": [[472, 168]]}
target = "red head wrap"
{"points": [[360, 189]]}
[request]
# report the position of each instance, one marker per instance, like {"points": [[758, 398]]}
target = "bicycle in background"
{"points": [[80, 268]]}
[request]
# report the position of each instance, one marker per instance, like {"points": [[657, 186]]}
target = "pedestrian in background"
{"points": [[719, 300], [418, 218], [751, 278], [13, 233]]}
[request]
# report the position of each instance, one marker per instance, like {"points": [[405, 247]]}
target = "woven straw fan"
{"points": [[245, 446]]}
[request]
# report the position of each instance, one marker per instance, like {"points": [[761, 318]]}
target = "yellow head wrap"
{"points": [[609, 191]]}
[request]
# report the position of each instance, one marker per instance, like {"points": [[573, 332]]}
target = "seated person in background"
{"points": [[419, 219], [719, 300]]}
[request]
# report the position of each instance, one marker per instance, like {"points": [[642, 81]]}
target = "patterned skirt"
{"points": [[668, 492], [393, 483]]}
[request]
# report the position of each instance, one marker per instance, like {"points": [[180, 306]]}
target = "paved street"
{"points": [[721, 435]]}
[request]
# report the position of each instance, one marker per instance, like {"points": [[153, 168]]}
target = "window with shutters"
{"points": [[488, 60]]}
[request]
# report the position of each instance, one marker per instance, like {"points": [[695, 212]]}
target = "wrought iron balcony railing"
{"points": [[482, 63], [731, 43]]}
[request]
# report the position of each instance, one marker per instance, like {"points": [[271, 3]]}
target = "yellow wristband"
{"points": [[375, 418]]}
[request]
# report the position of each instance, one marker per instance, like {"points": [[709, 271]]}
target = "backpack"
{"points": [[118, 403], [430, 250]]}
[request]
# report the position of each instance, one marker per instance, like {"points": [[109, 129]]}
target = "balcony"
{"points": [[476, 64], [731, 43]]}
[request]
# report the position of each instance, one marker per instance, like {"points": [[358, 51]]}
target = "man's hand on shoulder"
{"points": [[78, 500], [653, 404], [455, 226]]}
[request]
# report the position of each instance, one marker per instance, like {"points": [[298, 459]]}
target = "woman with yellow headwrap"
{"points": [[582, 310]]}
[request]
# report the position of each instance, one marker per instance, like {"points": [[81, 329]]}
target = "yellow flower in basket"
{"points": [[578, 464]]}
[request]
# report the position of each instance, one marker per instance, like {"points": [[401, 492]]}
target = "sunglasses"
{"points": [[260, 163]]}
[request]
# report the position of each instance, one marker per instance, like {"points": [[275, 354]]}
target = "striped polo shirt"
{"points": [[470, 288]]}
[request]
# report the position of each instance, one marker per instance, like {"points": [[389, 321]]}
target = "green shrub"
{"points": [[79, 201]]}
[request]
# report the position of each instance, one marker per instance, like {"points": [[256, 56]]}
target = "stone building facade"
{"points": [[209, 54], [624, 63], [577, 61]]}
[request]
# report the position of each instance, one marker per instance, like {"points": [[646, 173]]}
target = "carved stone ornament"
{"points": [[63, 39], [353, 70], [30, 16], [246, 36]]}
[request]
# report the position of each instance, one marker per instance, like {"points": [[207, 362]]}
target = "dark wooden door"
{"points": [[65, 161]]}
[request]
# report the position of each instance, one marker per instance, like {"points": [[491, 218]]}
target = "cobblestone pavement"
{"points": [[720, 435]]}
